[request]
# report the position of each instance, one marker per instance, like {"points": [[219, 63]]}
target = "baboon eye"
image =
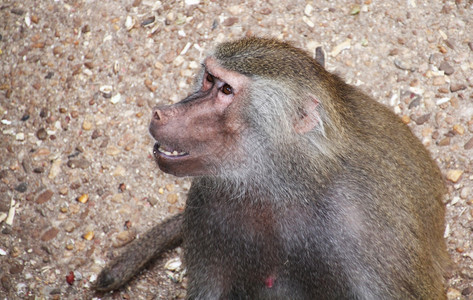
{"points": [[209, 78], [227, 89]]}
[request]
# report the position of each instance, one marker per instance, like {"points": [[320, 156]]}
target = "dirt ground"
{"points": [[78, 80]]}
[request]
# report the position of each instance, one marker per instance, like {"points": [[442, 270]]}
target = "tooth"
{"points": [[175, 153]]}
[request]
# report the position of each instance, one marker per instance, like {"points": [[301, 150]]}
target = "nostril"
{"points": [[157, 114]]}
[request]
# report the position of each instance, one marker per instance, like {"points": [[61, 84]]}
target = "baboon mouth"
{"points": [[167, 151]]}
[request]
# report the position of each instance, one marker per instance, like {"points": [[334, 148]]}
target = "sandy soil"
{"points": [[77, 180]]}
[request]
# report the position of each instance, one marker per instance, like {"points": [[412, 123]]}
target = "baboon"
{"points": [[303, 186]]}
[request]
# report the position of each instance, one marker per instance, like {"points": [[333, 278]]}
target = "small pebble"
{"points": [[106, 91], [179, 60], [49, 75], [89, 65], [172, 198], [88, 236], [454, 175], [439, 80], [70, 245], [446, 68], [78, 275], [58, 50], [95, 134], [265, 11], [44, 197], [69, 227], [129, 23], [80, 245], [20, 136], [230, 21], [74, 208], [455, 87], [192, 2], [75, 185], [116, 98], [148, 21], [43, 112], [64, 191], [355, 9], [467, 291], [422, 119], [465, 192], [78, 163], [458, 129], [340, 47], [112, 151], [170, 17], [393, 52], [119, 171], [444, 142], [403, 65], [308, 21], [15, 252], [17, 11], [7, 230], [150, 86], [75, 114], [118, 198], [127, 224], [406, 119], [469, 145], [124, 238], [50, 234], [64, 208], [16, 268], [34, 19], [87, 124], [86, 28], [22, 187], [308, 10], [453, 294], [152, 201], [174, 264], [415, 103], [442, 100], [55, 169], [442, 49], [83, 198], [70, 278], [42, 134]]}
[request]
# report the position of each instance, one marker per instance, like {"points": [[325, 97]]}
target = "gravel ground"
{"points": [[77, 180]]}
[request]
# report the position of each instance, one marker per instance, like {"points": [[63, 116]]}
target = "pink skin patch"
{"points": [[269, 282]]}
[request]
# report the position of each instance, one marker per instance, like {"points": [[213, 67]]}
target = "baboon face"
{"points": [[200, 133]]}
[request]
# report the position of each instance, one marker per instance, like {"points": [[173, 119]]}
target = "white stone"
{"points": [[192, 2]]}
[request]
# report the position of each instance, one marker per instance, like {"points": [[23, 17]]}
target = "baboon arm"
{"points": [[164, 236]]}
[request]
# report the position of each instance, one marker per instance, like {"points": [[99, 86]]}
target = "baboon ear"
{"points": [[308, 117]]}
